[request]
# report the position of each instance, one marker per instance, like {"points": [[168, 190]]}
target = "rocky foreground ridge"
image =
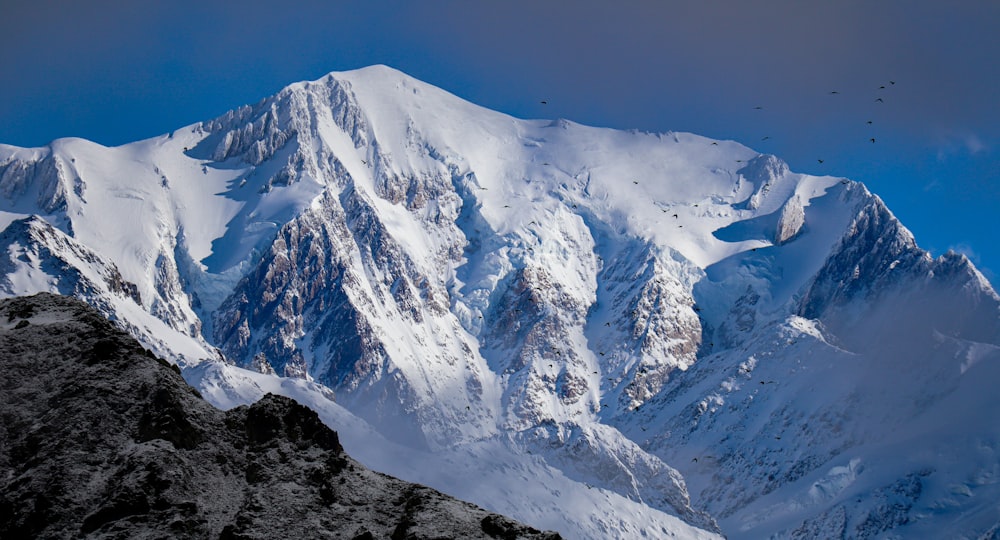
{"points": [[100, 439]]}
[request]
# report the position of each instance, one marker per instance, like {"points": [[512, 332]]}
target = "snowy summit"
{"points": [[615, 334]]}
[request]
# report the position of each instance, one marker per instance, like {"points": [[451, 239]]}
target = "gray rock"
{"points": [[100, 439]]}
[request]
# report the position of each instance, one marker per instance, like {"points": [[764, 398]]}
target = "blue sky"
{"points": [[116, 71]]}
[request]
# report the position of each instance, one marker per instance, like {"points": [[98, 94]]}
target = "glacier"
{"points": [[606, 333]]}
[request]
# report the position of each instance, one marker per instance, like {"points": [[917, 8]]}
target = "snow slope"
{"points": [[546, 305]]}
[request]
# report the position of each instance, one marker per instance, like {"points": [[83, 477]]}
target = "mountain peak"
{"points": [[375, 73], [536, 294]]}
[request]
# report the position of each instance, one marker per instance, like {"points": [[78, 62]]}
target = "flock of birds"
{"points": [[878, 99], [869, 122]]}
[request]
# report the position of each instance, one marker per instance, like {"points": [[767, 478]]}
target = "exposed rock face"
{"points": [[763, 172], [100, 439], [46, 174], [790, 222], [35, 240], [877, 262], [874, 253]]}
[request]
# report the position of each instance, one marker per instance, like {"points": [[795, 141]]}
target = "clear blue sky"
{"points": [[116, 72]]}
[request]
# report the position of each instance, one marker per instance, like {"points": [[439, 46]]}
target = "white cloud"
{"points": [[932, 185], [974, 144], [952, 144]]}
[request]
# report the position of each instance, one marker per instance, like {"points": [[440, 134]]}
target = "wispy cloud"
{"points": [[974, 144], [932, 185], [954, 144]]}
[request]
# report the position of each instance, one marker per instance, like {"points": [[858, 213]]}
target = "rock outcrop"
{"points": [[100, 439]]}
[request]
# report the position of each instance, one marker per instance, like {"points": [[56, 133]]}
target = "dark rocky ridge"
{"points": [[100, 439]]}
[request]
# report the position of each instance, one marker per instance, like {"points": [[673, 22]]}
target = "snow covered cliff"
{"points": [[594, 322]]}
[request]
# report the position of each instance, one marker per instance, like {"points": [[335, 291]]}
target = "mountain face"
{"points": [[102, 440], [617, 333]]}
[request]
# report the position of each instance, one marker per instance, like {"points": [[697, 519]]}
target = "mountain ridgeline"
{"points": [[618, 333], [100, 439]]}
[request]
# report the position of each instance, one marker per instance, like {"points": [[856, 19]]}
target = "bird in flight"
{"points": [[834, 92], [869, 122], [543, 102], [872, 140], [820, 160], [879, 100], [758, 108], [765, 138]]}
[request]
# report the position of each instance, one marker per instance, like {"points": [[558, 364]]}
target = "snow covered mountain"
{"points": [[616, 333]]}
